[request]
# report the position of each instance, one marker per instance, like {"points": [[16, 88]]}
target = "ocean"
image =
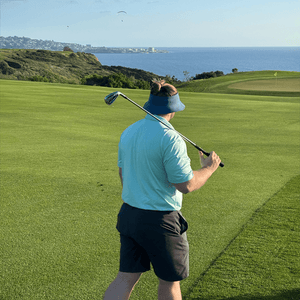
{"points": [[199, 60]]}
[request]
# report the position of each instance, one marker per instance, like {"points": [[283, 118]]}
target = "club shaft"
{"points": [[184, 137]]}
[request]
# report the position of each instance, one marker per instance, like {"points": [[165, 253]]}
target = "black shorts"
{"points": [[156, 237]]}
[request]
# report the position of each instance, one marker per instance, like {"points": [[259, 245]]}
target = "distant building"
{"points": [[27, 43]]}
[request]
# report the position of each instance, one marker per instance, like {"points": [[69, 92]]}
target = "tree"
{"points": [[68, 49], [235, 70], [219, 73], [172, 80], [187, 76]]}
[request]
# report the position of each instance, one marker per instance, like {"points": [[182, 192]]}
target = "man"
{"points": [[155, 171]]}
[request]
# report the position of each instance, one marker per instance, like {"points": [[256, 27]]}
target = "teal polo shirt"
{"points": [[152, 157]]}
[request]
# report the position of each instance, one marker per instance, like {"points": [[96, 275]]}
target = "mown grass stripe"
{"points": [[262, 261]]}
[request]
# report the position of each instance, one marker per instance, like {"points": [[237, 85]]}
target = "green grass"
{"points": [[221, 84], [60, 191], [263, 261]]}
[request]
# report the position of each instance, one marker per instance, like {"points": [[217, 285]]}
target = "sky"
{"points": [[151, 23]]}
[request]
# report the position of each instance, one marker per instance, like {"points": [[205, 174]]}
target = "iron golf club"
{"points": [[111, 98]]}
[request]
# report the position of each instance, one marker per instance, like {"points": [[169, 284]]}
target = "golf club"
{"points": [[111, 98]]}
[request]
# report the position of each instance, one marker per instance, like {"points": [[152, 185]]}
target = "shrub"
{"points": [[73, 55], [118, 80], [206, 75], [5, 68], [39, 78], [219, 73], [143, 85]]}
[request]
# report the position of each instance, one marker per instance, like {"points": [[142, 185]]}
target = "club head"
{"points": [[111, 98]]}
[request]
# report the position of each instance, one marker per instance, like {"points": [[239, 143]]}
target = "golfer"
{"points": [[155, 171]]}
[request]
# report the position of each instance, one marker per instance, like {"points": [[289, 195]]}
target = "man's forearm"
{"points": [[209, 166], [199, 179]]}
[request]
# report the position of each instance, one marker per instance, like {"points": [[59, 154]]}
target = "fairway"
{"points": [[279, 85], [60, 188]]}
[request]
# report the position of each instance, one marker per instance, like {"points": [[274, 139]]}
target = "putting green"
{"points": [[278, 85]]}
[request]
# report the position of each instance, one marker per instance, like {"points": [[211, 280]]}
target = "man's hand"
{"points": [[212, 161], [209, 165]]}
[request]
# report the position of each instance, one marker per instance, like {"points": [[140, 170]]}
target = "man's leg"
{"points": [[169, 290], [122, 286]]}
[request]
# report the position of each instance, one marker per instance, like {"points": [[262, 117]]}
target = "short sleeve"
{"points": [[175, 159], [120, 161]]}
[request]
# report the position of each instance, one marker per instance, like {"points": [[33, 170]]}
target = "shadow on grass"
{"points": [[282, 295]]}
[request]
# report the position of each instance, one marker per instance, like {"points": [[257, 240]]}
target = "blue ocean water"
{"points": [[199, 60]]}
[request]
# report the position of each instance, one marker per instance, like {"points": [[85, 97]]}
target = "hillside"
{"points": [[59, 66]]}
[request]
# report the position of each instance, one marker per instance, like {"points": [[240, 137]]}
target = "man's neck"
{"points": [[168, 117]]}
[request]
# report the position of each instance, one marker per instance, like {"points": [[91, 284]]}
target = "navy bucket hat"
{"points": [[161, 105]]}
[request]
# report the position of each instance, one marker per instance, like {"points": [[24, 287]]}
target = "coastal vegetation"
{"points": [[67, 67], [118, 80], [85, 69], [206, 75]]}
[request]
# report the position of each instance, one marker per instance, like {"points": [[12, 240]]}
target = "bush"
{"points": [[206, 75], [118, 80], [5, 68], [143, 85], [219, 73], [73, 55], [39, 78]]}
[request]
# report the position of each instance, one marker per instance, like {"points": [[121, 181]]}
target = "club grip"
{"points": [[207, 154]]}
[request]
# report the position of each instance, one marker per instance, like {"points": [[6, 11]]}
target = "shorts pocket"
{"points": [[183, 223], [122, 220]]}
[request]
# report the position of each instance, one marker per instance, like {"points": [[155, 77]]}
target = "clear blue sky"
{"points": [[163, 23]]}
